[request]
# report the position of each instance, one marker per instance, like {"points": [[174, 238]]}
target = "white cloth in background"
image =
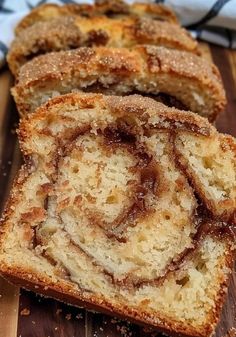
{"points": [[210, 20]]}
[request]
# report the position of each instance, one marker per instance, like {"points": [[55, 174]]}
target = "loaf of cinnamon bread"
{"points": [[114, 9], [177, 78], [124, 206], [68, 32]]}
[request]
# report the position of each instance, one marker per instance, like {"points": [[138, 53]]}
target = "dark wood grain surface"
{"points": [[29, 315]]}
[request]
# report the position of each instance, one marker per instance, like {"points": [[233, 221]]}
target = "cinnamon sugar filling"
{"points": [[117, 207], [115, 188]]}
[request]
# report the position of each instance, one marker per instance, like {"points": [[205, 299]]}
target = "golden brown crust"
{"points": [[116, 8], [169, 118], [69, 32], [58, 35], [146, 69]]}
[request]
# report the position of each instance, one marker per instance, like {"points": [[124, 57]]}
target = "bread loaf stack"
{"points": [[125, 204]]}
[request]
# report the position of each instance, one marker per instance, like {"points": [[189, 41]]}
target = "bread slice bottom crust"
{"points": [[31, 280]]}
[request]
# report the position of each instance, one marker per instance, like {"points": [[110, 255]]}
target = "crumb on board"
{"points": [[124, 330], [68, 317], [58, 311], [231, 332], [25, 312], [79, 316]]}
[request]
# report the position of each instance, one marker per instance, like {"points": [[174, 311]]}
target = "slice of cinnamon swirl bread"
{"points": [[68, 32], [124, 206], [177, 78], [111, 8]]}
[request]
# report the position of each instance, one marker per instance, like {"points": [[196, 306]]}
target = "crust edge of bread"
{"points": [[44, 286], [73, 9], [114, 101], [31, 42], [25, 81]]}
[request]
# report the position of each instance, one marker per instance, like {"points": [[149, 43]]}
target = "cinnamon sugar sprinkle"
{"points": [[25, 312]]}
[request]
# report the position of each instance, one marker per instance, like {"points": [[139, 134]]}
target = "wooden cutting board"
{"points": [[24, 314]]}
